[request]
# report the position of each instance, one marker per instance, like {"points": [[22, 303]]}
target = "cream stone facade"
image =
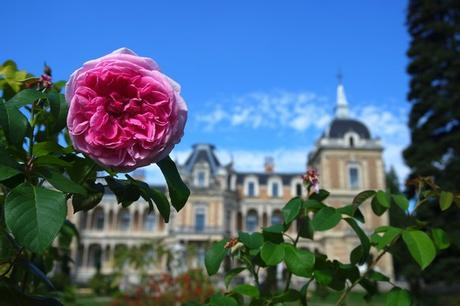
{"points": [[224, 201]]}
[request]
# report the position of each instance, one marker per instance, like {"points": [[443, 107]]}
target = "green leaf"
{"points": [[377, 276], [231, 274], [283, 298], [401, 201], [90, 199], [274, 233], [7, 172], [178, 191], [14, 124], [271, 253], [349, 210], [377, 208], [388, 237], [440, 238], [35, 215], [125, 191], [59, 109], [325, 219], [25, 97], [305, 228], [445, 200], [251, 241], [365, 243], [291, 210], [398, 297], [324, 276], [222, 300], [362, 197], [61, 182], [50, 160], [383, 199], [420, 247], [151, 194], [320, 196], [248, 290], [46, 147], [299, 262], [214, 256]]}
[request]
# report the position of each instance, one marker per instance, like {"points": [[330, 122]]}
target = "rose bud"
{"points": [[123, 112]]}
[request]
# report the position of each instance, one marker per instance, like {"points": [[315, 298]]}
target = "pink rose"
{"points": [[124, 113]]}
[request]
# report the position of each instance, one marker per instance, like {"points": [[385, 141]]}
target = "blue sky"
{"points": [[259, 76]]}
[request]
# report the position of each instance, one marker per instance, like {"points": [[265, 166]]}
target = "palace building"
{"points": [[224, 201]]}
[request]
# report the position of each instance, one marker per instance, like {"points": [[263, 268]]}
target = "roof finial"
{"points": [[341, 109]]}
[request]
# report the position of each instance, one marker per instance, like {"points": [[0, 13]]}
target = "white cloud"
{"points": [[278, 109]]}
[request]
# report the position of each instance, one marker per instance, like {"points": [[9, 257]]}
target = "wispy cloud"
{"points": [[278, 109]]}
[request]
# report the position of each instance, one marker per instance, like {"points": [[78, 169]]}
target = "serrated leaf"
{"points": [[445, 200], [271, 253], [178, 191], [325, 219], [420, 247], [248, 290], [214, 257], [291, 210], [34, 215]]}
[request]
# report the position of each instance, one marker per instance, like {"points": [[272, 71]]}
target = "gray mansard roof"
{"points": [[340, 126], [202, 153]]}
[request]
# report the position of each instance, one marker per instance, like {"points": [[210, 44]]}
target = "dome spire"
{"points": [[341, 108]]}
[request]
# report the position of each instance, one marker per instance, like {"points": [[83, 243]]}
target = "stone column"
{"points": [[84, 262]]}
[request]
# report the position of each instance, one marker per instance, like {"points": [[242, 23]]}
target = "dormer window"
{"points": [[251, 186], [275, 190], [251, 189], [201, 178], [351, 141]]}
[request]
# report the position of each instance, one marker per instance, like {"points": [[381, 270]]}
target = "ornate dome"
{"points": [[341, 126]]}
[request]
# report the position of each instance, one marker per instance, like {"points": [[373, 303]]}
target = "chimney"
{"points": [[269, 164]]}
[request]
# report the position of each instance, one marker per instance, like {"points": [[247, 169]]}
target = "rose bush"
{"points": [[124, 113]]}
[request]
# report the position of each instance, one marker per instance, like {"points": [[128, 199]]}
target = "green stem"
{"points": [[348, 290]]}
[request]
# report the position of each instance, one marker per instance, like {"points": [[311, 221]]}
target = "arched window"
{"points": [[252, 221], [275, 187], [149, 221], [124, 220], [351, 141], [277, 218]]}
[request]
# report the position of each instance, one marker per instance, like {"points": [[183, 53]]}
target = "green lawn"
{"points": [[355, 299]]}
